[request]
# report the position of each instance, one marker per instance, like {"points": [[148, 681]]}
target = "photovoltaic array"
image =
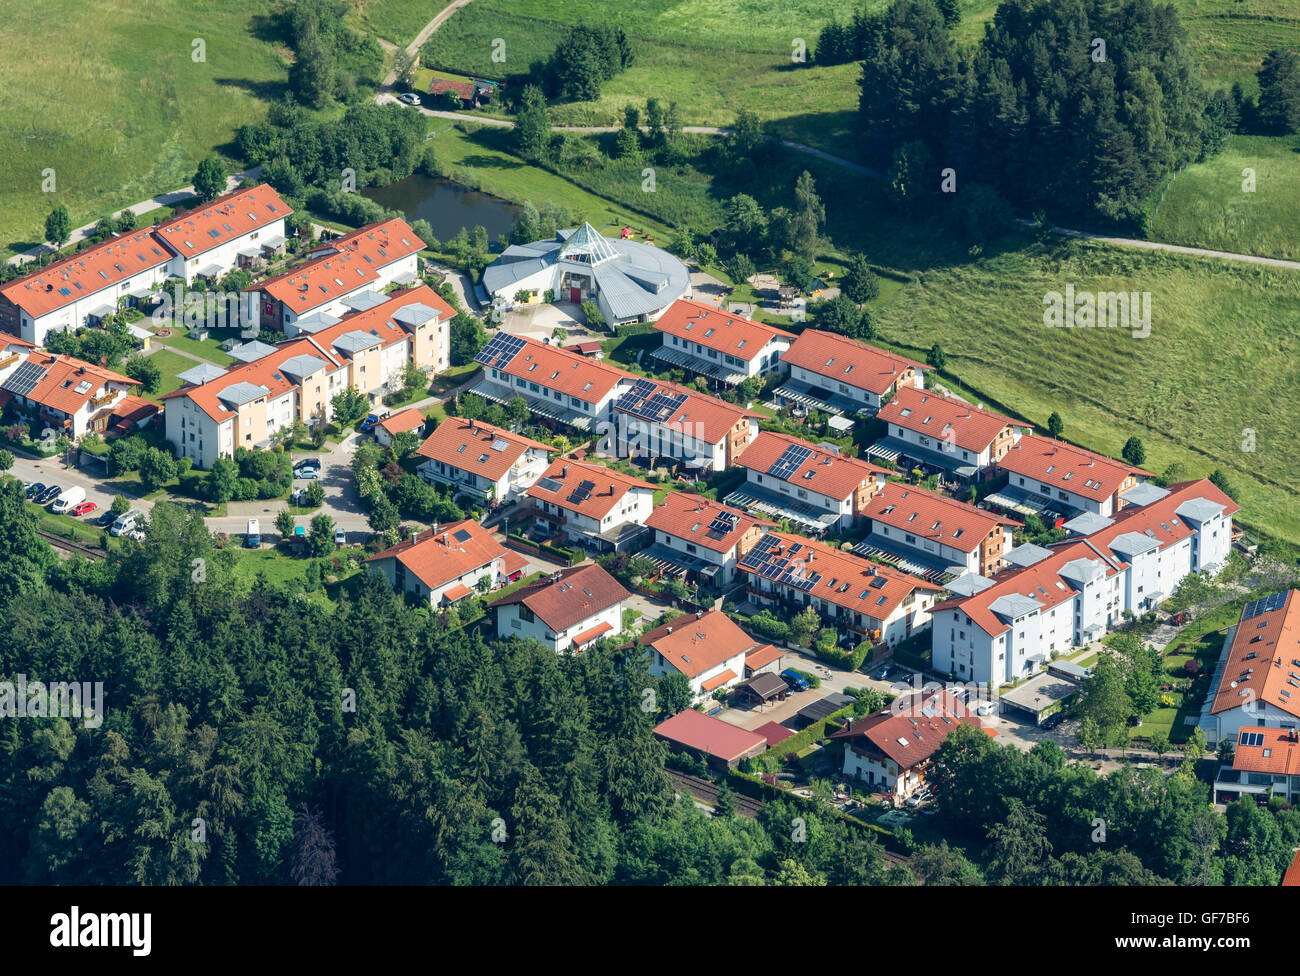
{"points": [[790, 461], [500, 351]]}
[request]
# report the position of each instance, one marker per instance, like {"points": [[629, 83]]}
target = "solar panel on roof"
{"points": [[582, 492], [500, 445], [1265, 605], [460, 535], [500, 351], [724, 522], [25, 379], [642, 401], [790, 461], [550, 484], [878, 582]]}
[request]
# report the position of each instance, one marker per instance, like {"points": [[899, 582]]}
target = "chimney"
{"points": [[564, 472], [670, 628], [611, 488], [810, 555], [699, 614], [444, 540]]}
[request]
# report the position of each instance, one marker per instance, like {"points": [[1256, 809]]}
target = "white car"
{"points": [[410, 98], [987, 708]]}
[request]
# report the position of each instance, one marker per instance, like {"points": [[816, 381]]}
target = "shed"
{"points": [[722, 744], [762, 688]]}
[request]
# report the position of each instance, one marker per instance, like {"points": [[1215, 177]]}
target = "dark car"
{"points": [[49, 494], [34, 491], [107, 519], [306, 463], [1053, 720], [795, 680]]}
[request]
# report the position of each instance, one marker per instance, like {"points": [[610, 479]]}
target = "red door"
{"points": [[575, 295]]}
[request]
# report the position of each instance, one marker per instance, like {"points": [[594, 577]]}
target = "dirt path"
{"points": [[414, 47]]}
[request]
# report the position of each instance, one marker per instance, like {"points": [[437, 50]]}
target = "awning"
{"points": [[142, 292], [719, 679], [249, 252], [210, 271], [839, 423], [674, 357], [404, 277], [101, 311], [778, 506], [271, 243], [457, 592], [546, 408], [587, 636]]}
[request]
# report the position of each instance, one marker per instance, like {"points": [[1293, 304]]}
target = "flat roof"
{"points": [[1040, 692]]}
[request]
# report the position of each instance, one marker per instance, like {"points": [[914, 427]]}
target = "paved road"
{"points": [[139, 209]]}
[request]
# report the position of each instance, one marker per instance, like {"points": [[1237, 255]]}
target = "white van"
{"points": [[125, 523], [70, 499], [253, 537]]}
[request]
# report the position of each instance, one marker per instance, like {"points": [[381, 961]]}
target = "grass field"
{"points": [[209, 349], [171, 364], [1206, 205], [114, 103]]}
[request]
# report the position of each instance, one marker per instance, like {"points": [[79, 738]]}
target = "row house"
{"points": [[13, 353], [73, 397], [344, 275], [1060, 475], [1075, 592], [963, 440], [850, 593], [657, 420], [936, 531], [556, 384], [702, 536], [707, 648], [839, 375], [590, 504], [1265, 763], [1258, 681], [87, 287], [816, 488], [486, 461], [718, 345], [442, 566], [567, 611]]}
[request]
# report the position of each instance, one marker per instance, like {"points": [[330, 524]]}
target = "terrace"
{"points": [[777, 506]]}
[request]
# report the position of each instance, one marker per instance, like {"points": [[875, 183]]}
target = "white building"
{"points": [[702, 536], [838, 375], [708, 648], [70, 396], [485, 461], [718, 345], [936, 531], [567, 611], [1061, 475], [591, 504], [1258, 679], [447, 564], [210, 240], [662, 421], [943, 431], [1060, 598]]}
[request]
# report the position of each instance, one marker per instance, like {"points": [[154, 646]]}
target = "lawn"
{"points": [[283, 569], [171, 364], [209, 349], [1206, 205], [397, 21], [114, 104]]}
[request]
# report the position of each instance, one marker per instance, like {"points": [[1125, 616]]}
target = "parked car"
{"points": [[340, 537], [34, 490], [410, 98], [920, 796], [253, 535], [48, 495], [795, 680], [368, 424], [1053, 720], [124, 524], [308, 472], [987, 708], [69, 499], [106, 519], [306, 463], [85, 508]]}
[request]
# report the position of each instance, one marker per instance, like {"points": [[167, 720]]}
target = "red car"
{"points": [[85, 508]]}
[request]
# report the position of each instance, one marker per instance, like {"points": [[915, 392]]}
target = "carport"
{"points": [[1040, 696], [762, 688], [824, 707]]}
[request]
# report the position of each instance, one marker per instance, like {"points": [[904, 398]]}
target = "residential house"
{"points": [[1066, 596], [487, 462], [83, 288], [447, 564], [1258, 682], [815, 487], [659, 421], [839, 375], [1265, 763], [337, 273], [856, 596], [591, 504], [1055, 474], [701, 536], [891, 750], [555, 383], [707, 648], [933, 531], [223, 234], [963, 440], [567, 611], [73, 397], [402, 422], [717, 344], [13, 353]]}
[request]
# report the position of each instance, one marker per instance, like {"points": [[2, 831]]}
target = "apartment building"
{"points": [[718, 345], [1062, 475], [216, 237], [660, 421], [961, 439], [1258, 681], [936, 531]]}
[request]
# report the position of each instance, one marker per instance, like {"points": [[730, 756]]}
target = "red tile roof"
{"points": [[457, 592], [1277, 752], [264, 372], [773, 733], [1068, 467], [710, 735], [573, 375], [222, 220], [688, 517], [848, 580], [718, 680], [569, 597], [587, 636], [379, 320], [929, 515], [847, 361], [402, 421], [1262, 661], [945, 418], [833, 475], [694, 645], [911, 732], [69, 384], [352, 263], [1292, 877], [467, 445], [82, 275], [762, 655], [464, 89], [714, 328], [610, 487], [702, 417], [455, 551]]}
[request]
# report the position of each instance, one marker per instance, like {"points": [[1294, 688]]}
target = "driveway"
{"points": [[539, 321]]}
